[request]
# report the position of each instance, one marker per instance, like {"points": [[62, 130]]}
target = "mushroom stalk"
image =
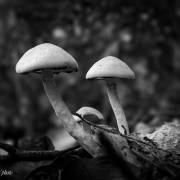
{"points": [[116, 106], [63, 113]]}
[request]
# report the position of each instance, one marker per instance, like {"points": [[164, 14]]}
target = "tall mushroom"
{"points": [[47, 60], [110, 69]]}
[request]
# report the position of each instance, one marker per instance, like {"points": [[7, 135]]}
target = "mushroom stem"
{"points": [[116, 106], [86, 140]]}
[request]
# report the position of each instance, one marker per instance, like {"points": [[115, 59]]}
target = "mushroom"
{"points": [[62, 140], [110, 69], [47, 60], [89, 112]]}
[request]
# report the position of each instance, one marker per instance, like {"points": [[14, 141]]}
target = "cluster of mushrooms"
{"points": [[48, 59]]}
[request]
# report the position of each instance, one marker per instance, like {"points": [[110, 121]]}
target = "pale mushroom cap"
{"points": [[46, 56], [85, 111], [110, 67]]}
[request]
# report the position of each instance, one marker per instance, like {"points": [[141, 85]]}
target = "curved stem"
{"points": [[117, 108], [86, 140]]}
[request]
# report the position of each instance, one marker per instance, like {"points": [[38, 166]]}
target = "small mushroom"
{"points": [[89, 114], [62, 140], [110, 69], [47, 60], [86, 112]]}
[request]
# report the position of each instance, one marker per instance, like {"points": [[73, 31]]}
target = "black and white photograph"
{"points": [[89, 90]]}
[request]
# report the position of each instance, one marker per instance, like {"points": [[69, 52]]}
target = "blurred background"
{"points": [[145, 34]]}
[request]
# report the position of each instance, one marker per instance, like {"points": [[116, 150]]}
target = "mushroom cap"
{"points": [[87, 111], [46, 56], [110, 67]]}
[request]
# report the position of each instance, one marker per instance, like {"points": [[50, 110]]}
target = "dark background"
{"points": [[145, 34]]}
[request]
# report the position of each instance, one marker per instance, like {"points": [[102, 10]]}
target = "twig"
{"points": [[17, 155], [103, 127], [56, 164]]}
